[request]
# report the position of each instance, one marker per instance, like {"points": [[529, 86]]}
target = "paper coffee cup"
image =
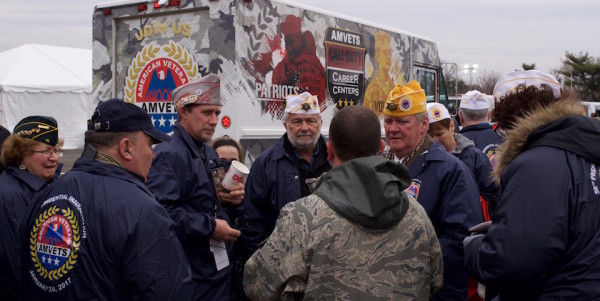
{"points": [[237, 173]]}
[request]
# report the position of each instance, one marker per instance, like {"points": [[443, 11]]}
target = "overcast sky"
{"points": [[497, 35]]}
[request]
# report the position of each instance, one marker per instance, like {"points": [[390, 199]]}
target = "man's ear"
{"points": [[182, 112], [425, 125], [125, 149], [330, 152], [381, 146]]}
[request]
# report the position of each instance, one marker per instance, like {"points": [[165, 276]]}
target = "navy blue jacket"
{"points": [[446, 189], [485, 139], [4, 133], [544, 241], [97, 233], [479, 164], [17, 190], [274, 181], [182, 182]]}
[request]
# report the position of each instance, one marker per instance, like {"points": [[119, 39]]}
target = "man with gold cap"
{"points": [[441, 183], [279, 174], [181, 177]]}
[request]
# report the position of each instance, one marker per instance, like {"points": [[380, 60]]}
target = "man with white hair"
{"points": [[474, 116], [278, 176]]}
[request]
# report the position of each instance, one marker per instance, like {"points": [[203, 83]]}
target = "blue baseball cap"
{"points": [[115, 115]]}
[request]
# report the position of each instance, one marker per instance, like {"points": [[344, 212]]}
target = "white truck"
{"points": [[262, 50]]}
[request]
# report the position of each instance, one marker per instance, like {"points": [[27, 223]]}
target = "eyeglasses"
{"points": [[48, 153]]}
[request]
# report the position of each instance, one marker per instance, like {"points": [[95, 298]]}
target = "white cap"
{"points": [[474, 100], [305, 104], [509, 81], [437, 112]]}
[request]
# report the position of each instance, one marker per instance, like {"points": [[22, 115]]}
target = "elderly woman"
{"points": [[31, 160]]}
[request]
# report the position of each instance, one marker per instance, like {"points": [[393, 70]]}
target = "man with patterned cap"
{"points": [[543, 241], [183, 179], [441, 183], [279, 174], [474, 116], [97, 232]]}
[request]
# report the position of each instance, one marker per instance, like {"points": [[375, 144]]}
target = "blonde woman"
{"points": [[31, 160]]}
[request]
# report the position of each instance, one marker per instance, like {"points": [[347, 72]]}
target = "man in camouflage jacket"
{"points": [[359, 236]]}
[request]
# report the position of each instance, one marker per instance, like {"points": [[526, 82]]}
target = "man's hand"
{"points": [[223, 232], [234, 197], [480, 228]]}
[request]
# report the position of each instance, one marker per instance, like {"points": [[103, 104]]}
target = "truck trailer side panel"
{"points": [[263, 50]]}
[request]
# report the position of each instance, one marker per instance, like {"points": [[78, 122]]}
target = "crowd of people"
{"points": [[487, 212]]}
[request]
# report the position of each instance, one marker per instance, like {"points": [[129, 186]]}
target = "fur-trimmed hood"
{"points": [[563, 124]]}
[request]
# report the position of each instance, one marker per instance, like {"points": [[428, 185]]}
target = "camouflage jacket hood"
{"points": [[368, 191]]}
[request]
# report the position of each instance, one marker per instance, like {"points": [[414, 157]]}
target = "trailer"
{"points": [[263, 50]]}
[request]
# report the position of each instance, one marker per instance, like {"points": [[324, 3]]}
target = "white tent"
{"points": [[50, 81]]}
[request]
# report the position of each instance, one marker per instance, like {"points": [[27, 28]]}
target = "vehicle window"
{"points": [[255, 147], [426, 79]]}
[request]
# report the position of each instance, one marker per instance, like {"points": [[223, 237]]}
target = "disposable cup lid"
{"points": [[240, 167]]}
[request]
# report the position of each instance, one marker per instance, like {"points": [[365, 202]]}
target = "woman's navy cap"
{"points": [[115, 115], [39, 128]]}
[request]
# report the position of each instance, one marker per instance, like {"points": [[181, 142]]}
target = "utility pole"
{"points": [[470, 69]]}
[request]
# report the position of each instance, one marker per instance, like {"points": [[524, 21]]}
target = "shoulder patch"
{"points": [[413, 189], [490, 152]]}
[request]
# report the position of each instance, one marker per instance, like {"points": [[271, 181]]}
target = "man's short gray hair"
{"points": [[473, 115], [420, 116]]}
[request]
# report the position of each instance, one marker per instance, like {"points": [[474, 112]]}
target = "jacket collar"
{"points": [[462, 143], [476, 127], [179, 131], [279, 150], [96, 167], [26, 177], [427, 143]]}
